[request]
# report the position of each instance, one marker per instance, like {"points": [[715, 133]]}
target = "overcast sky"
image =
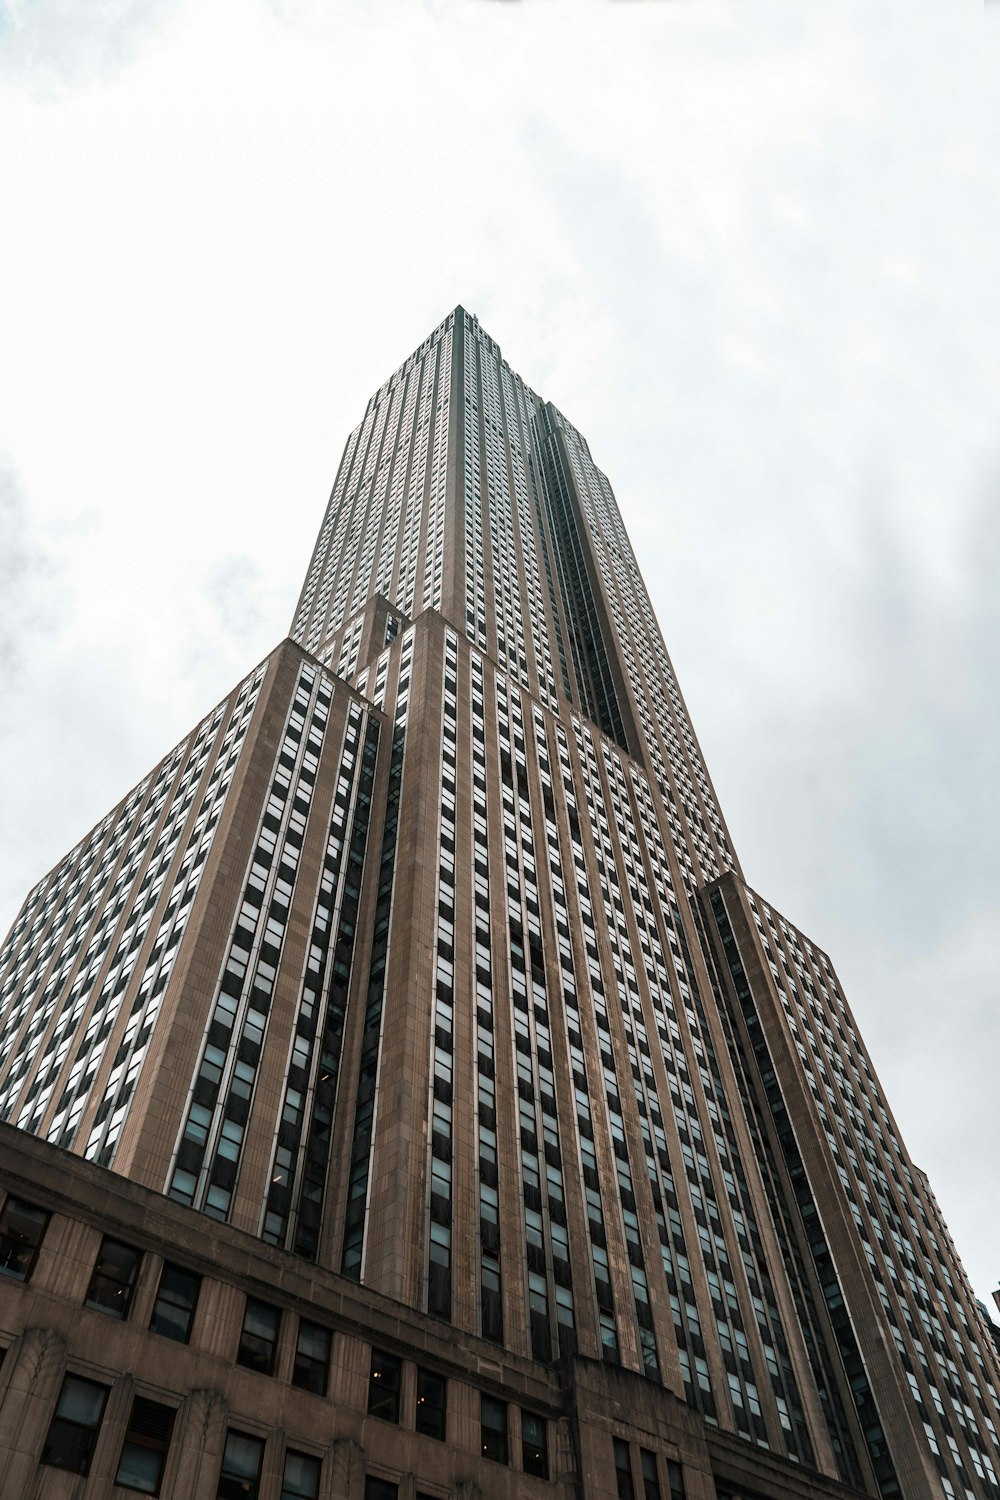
{"points": [[752, 250]]}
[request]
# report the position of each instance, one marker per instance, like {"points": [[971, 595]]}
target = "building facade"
{"points": [[407, 1096]]}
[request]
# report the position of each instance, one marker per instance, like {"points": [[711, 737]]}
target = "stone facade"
{"points": [[49, 1331]]}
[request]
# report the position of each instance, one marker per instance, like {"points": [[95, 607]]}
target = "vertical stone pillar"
{"points": [[199, 1440], [346, 1468], [466, 1489], [107, 1452], [565, 1470], [408, 1395], [37, 1361], [349, 1374], [698, 1483], [464, 1431], [273, 1465]]}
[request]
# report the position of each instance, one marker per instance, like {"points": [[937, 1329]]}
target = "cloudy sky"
{"points": [[751, 249]]}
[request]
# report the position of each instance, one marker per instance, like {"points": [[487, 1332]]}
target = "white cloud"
{"points": [[58, 44]]}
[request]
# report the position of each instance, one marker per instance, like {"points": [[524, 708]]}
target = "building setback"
{"points": [[406, 1095]]}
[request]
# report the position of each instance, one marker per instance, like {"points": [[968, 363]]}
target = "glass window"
{"points": [[21, 1229], [113, 1281], [383, 1386], [175, 1305], [623, 1471], [144, 1452], [71, 1439], [312, 1357], [432, 1396], [259, 1338], [650, 1477], [493, 1429], [240, 1467], [439, 1270], [534, 1445], [380, 1489], [491, 1296], [301, 1477]]}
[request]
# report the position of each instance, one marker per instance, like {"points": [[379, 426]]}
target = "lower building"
{"points": [[148, 1349]]}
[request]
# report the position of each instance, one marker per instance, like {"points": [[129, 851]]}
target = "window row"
{"points": [[76, 1424], [384, 1396], [645, 1478]]}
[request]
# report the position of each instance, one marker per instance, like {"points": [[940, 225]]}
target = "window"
{"points": [[113, 1281], [383, 1386], [312, 1358], [144, 1452], [491, 1303], [71, 1439], [623, 1471], [259, 1337], [380, 1489], [240, 1467], [432, 1396], [176, 1301], [21, 1229], [493, 1429], [439, 1270], [650, 1477], [534, 1445], [301, 1477]]}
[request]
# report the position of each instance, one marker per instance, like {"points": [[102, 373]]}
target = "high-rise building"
{"points": [[406, 1094]]}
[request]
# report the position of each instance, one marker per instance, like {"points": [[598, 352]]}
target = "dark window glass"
{"points": [[650, 1477], [492, 1305], [312, 1357], [493, 1427], [113, 1281], [383, 1386], [144, 1452], [675, 1475], [301, 1477], [623, 1471], [259, 1338], [432, 1396], [176, 1301], [71, 1439], [534, 1445], [380, 1489], [439, 1276], [21, 1229], [240, 1467]]}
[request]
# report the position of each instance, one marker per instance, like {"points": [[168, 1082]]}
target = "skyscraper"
{"points": [[473, 1126]]}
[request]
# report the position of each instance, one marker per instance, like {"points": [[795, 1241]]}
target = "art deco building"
{"points": [[406, 1095]]}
